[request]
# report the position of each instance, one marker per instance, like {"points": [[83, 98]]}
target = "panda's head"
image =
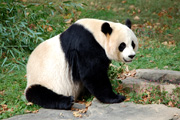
{"points": [[118, 40], [121, 43]]}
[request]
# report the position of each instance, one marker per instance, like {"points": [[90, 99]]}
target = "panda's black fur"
{"points": [[89, 64]]}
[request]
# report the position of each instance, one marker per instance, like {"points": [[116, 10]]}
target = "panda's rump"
{"points": [[48, 67]]}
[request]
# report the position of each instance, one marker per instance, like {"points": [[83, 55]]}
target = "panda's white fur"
{"points": [[47, 65]]}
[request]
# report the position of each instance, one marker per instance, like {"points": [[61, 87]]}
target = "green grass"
{"points": [[157, 56], [23, 25], [12, 99]]}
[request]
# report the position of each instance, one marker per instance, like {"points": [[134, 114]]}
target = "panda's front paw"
{"points": [[118, 99], [112, 99], [121, 98]]}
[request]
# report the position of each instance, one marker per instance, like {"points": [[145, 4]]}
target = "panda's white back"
{"points": [[48, 67]]}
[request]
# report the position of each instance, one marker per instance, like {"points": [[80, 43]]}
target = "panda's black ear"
{"points": [[128, 23], [106, 29]]}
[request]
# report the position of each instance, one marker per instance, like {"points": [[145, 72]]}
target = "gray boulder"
{"points": [[159, 75]]}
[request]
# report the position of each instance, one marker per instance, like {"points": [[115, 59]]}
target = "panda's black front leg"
{"points": [[94, 76], [101, 88]]}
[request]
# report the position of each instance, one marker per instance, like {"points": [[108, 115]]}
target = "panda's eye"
{"points": [[122, 46], [133, 45]]}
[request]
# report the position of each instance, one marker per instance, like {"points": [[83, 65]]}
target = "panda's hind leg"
{"points": [[46, 98]]}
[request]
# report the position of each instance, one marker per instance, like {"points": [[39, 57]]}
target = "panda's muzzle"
{"points": [[131, 58]]}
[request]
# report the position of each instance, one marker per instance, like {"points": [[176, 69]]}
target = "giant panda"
{"points": [[61, 67]]}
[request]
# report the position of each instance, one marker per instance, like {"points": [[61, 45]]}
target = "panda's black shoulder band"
{"points": [[106, 29]]}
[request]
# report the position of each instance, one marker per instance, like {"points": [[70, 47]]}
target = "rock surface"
{"points": [[168, 76], [99, 111], [166, 79], [137, 84]]}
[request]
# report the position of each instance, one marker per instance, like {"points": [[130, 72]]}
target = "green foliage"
{"points": [[24, 26], [21, 30], [115, 69]]}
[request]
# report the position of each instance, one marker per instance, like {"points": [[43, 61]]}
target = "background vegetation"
{"points": [[26, 23]]}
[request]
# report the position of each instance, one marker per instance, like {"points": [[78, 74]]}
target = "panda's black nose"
{"points": [[131, 56]]}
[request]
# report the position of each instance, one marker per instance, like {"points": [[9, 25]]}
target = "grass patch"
{"points": [[155, 55], [12, 99]]}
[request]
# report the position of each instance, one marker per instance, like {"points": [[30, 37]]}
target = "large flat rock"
{"points": [[131, 111], [159, 75], [99, 111], [132, 83]]}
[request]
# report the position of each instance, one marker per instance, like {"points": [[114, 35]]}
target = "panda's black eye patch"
{"points": [[122, 46], [133, 45]]}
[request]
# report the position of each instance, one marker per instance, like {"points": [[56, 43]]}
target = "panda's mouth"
{"points": [[127, 60]]}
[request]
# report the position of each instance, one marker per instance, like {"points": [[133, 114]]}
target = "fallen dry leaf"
{"points": [[69, 21], [124, 1], [29, 103], [92, 3], [108, 7], [27, 111], [74, 109], [2, 92], [133, 73], [126, 74], [136, 18], [169, 43], [131, 7], [35, 111], [165, 67], [32, 26], [49, 28], [127, 99], [77, 114], [170, 103], [165, 43], [83, 110], [139, 11], [88, 104], [4, 108], [27, 13], [25, 76], [151, 61], [24, 0]]}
